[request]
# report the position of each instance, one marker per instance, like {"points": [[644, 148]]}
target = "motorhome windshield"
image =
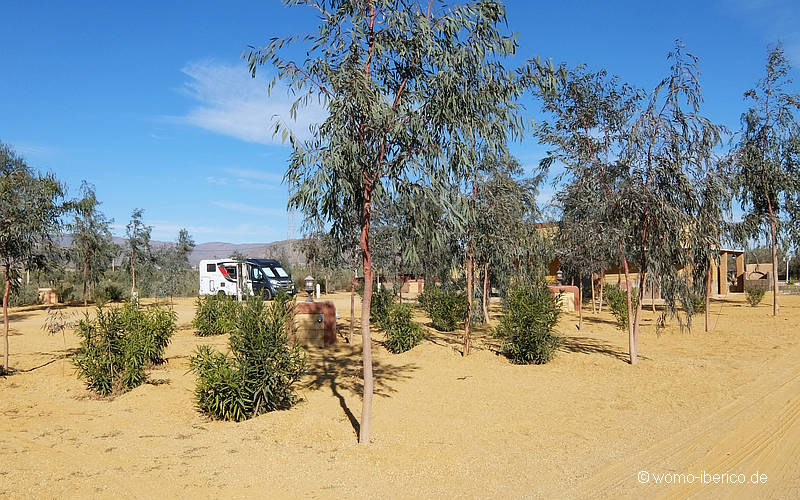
{"points": [[275, 272]]}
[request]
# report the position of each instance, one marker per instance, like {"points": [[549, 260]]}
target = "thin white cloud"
{"points": [[249, 209], [230, 102]]}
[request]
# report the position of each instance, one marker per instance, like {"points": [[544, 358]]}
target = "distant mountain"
{"points": [[285, 249]]}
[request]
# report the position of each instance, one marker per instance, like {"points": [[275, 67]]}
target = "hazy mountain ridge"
{"points": [[284, 249]]}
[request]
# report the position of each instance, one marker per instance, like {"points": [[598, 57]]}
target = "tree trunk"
{"points": [[366, 338], [5, 317], [591, 282], [470, 284], [352, 308], [580, 302], [776, 301], [632, 347], [653, 298], [133, 275], [485, 298], [85, 275], [637, 317], [708, 293], [602, 287]]}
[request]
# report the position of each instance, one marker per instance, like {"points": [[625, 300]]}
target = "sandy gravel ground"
{"points": [[585, 425]]}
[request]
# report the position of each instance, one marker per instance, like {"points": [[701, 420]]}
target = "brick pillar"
{"points": [[723, 274]]}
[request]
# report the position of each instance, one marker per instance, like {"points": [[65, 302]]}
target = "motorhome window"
{"points": [[268, 272], [231, 271], [211, 268], [256, 274], [280, 272]]}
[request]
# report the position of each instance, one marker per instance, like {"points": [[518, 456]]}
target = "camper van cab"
{"points": [[259, 276]]}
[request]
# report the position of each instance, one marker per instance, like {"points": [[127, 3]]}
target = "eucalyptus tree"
{"points": [[173, 263], [590, 115], [506, 212], [767, 173], [670, 147], [137, 245], [391, 75], [92, 246], [31, 206]]}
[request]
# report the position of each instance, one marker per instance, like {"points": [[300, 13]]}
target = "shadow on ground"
{"points": [[586, 345], [339, 368]]}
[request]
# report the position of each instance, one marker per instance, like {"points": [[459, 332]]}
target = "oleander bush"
{"points": [[118, 344], [215, 315], [259, 373], [527, 327], [446, 307], [402, 333], [754, 295], [617, 300]]}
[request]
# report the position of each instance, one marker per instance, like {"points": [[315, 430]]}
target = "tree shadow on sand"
{"points": [[339, 368], [586, 345]]}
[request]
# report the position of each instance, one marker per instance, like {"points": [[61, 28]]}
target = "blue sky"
{"points": [[152, 103]]}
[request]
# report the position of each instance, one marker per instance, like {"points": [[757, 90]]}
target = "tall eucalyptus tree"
{"points": [[391, 74], [767, 157], [31, 206], [669, 150], [92, 247]]}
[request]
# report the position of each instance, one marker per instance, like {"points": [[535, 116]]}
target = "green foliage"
{"points": [[445, 306], [530, 314], [754, 295], [617, 300], [402, 334], [24, 295], [215, 315], [382, 301], [119, 344], [698, 302], [65, 291], [259, 373], [109, 291]]}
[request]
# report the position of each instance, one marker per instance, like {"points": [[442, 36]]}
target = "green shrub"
{"points": [[754, 295], [108, 291], [698, 303], [215, 315], [24, 295], [617, 300], [445, 306], [530, 314], [120, 343], [258, 374], [65, 291], [402, 334], [380, 304]]}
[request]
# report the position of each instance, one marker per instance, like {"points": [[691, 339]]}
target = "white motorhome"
{"points": [[260, 276]]}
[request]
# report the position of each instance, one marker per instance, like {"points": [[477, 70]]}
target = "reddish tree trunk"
{"points": [[776, 303], [470, 284], [85, 276], [602, 287], [485, 298], [580, 302], [352, 308], [5, 317], [594, 305], [708, 292], [366, 338], [632, 347]]}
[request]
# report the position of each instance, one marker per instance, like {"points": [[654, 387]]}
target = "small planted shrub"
{"points": [[754, 295], [402, 334], [530, 314], [380, 304], [109, 291], [119, 344], [698, 303], [215, 315], [617, 300], [259, 373], [446, 307]]}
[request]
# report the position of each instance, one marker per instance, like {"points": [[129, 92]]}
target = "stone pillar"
{"points": [[740, 273], [714, 278], [723, 273]]}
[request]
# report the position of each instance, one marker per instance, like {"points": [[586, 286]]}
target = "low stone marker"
{"points": [[316, 323], [570, 296]]}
